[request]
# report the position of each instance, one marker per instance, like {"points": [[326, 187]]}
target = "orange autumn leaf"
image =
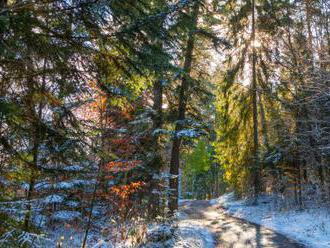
{"points": [[117, 166], [124, 191]]}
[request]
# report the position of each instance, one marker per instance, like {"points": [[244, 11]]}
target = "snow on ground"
{"points": [[184, 233], [309, 226], [191, 234]]}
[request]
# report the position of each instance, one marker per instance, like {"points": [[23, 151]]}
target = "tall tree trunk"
{"points": [[91, 205], [185, 83], [157, 161], [157, 121], [37, 139], [35, 154], [263, 124], [256, 166], [309, 30], [300, 202], [158, 102], [102, 125], [327, 31]]}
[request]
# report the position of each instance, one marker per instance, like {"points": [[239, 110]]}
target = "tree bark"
{"points": [[309, 29], [35, 154], [157, 122], [37, 140], [256, 165], [263, 124], [185, 83], [102, 125], [157, 160]]}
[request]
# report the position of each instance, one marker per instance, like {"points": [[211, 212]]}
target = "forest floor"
{"points": [[309, 225], [228, 231]]}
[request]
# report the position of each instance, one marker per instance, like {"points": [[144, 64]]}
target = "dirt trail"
{"points": [[231, 232]]}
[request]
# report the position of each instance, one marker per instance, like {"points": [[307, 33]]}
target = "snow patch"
{"points": [[309, 226], [64, 185], [72, 204], [181, 234], [66, 215], [39, 220], [74, 183], [191, 234], [42, 186], [73, 168], [25, 186], [190, 133], [160, 131], [53, 199]]}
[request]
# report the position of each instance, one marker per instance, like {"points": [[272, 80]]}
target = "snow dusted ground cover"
{"points": [[309, 226], [184, 233], [191, 233], [180, 234]]}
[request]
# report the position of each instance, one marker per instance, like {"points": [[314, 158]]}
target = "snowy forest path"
{"points": [[231, 232]]}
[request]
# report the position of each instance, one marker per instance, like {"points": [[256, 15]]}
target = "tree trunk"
{"points": [[185, 83], [35, 154], [309, 29], [157, 161], [263, 124], [256, 166], [300, 202], [102, 125], [157, 123], [158, 102], [37, 139]]}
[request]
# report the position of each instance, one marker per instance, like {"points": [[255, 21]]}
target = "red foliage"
{"points": [[123, 192], [118, 166], [123, 146]]}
